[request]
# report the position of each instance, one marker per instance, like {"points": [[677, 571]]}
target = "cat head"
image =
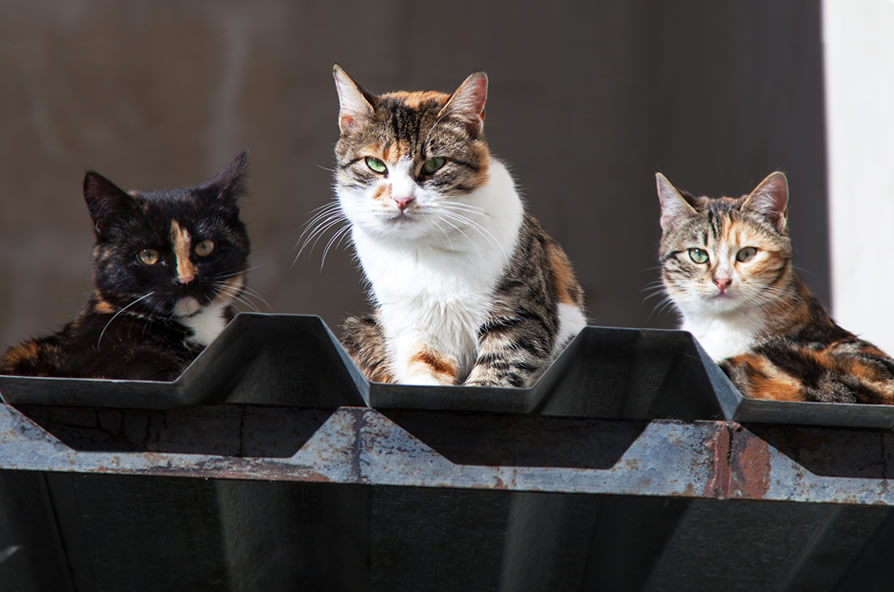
{"points": [[408, 162], [168, 253], [724, 255]]}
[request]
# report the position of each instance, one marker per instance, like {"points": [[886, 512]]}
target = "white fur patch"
{"points": [[727, 335], [433, 271], [571, 321], [208, 323], [186, 306]]}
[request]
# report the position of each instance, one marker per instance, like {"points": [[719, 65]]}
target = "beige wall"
{"points": [[587, 100], [860, 89]]}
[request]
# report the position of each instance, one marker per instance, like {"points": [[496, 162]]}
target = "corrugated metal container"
{"points": [[271, 464]]}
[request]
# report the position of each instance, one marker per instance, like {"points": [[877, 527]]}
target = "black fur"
{"points": [[129, 328]]}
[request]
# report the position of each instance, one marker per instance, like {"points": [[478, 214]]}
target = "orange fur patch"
{"points": [[182, 243], [19, 353], [102, 306], [441, 366], [563, 274], [231, 288], [767, 381], [414, 99], [383, 192]]}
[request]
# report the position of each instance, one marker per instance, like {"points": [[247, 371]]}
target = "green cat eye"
{"points": [[433, 164], [698, 255], [746, 254], [204, 248], [149, 256], [375, 165]]}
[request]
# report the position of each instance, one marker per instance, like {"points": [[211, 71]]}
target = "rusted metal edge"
{"points": [[358, 445]]}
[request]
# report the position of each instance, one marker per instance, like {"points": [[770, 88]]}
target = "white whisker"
{"points": [[115, 316]]}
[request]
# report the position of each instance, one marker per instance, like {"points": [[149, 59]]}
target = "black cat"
{"points": [[167, 266]]}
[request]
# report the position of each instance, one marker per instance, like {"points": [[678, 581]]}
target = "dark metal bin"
{"points": [[271, 464]]}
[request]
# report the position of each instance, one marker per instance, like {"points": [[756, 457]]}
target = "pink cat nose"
{"points": [[402, 202], [723, 282]]}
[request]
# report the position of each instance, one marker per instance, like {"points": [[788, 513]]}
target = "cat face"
{"points": [[725, 255], [410, 162], [168, 253]]}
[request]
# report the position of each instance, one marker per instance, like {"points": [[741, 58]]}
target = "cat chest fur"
{"points": [[727, 336], [430, 297]]}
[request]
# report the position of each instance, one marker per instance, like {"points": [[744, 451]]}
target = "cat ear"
{"points": [[675, 209], [355, 104], [106, 201], [226, 185], [467, 103], [770, 200]]}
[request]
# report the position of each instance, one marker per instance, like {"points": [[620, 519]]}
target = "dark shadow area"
{"points": [[872, 570], [833, 452], [632, 374], [518, 440], [226, 430], [604, 372], [32, 556], [579, 542], [258, 359]]}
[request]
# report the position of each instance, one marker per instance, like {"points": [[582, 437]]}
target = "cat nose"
{"points": [[403, 202], [182, 280], [723, 282]]}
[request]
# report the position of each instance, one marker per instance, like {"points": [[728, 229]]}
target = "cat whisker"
{"points": [[244, 296], [236, 296], [455, 205], [661, 307], [314, 237], [319, 214], [484, 232], [444, 232], [252, 293], [339, 234], [317, 225], [115, 316], [225, 276], [466, 236]]}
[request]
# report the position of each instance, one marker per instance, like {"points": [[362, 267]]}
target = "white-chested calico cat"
{"points": [[467, 288], [727, 266], [167, 267]]}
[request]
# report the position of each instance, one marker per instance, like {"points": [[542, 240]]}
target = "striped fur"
{"points": [[160, 294], [467, 288], [750, 310]]}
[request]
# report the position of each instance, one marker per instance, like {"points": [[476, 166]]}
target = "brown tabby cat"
{"points": [[727, 267], [468, 288]]}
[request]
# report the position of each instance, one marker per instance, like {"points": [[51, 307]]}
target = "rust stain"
{"points": [[719, 443], [749, 466]]}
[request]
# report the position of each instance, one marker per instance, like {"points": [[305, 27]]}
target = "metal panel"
{"points": [[296, 360], [283, 359], [251, 472]]}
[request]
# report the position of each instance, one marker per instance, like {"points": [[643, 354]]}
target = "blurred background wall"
{"points": [[587, 100]]}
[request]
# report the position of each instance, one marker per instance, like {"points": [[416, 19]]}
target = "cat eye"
{"points": [[433, 164], [746, 254], [376, 165], [149, 256], [698, 255], [204, 248]]}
